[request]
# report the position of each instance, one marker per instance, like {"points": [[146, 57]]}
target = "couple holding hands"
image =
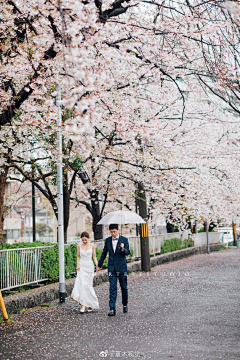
{"points": [[117, 247]]}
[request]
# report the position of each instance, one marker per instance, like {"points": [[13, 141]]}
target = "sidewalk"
{"points": [[187, 309]]}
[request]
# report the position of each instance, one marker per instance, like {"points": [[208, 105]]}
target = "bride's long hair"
{"points": [[85, 234]]}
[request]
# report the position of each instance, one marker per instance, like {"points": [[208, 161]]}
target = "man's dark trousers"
{"points": [[113, 289]]}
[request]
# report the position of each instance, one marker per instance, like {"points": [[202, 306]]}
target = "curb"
{"points": [[50, 292]]}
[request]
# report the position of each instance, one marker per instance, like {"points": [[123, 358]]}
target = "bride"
{"points": [[83, 291]]}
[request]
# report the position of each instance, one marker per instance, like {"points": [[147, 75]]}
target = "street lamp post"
{"points": [[60, 200], [33, 212]]}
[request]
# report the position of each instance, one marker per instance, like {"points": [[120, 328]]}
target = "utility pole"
{"points": [[144, 234], [60, 201], [33, 210]]}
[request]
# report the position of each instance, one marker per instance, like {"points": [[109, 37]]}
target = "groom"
{"points": [[118, 247]]}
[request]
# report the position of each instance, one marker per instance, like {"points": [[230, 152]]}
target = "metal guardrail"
{"points": [[19, 267]]}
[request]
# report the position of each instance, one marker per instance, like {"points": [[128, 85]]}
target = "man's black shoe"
{"points": [[112, 313], [125, 309]]}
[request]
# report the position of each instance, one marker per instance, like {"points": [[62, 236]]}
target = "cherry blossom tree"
{"points": [[120, 67]]}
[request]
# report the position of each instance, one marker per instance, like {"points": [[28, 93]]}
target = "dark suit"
{"points": [[117, 265]]}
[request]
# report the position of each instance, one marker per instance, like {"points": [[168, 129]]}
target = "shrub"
{"points": [[188, 243], [98, 254], [24, 245], [70, 261], [166, 247], [50, 262], [176, 244]]}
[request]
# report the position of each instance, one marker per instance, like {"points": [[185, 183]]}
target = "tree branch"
{"points": [[143, 167], [88, 206]]}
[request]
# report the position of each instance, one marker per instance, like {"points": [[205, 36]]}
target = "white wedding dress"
{"points": [[83, 290]]}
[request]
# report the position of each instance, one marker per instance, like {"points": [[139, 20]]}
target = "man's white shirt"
{"points": [[114, 242]]}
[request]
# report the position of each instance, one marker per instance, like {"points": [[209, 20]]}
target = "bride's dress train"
{"points": [[83, 290]]}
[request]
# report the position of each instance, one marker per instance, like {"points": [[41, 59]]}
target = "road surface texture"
{"points": [[188, 309]]}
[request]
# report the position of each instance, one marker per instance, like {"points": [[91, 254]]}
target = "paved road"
{"points": [[187, 309]]}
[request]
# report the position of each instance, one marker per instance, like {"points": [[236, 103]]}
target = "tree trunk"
{"points": [[97, 229], [212, 225], [170, 227], [3, 178], [66, 204], [205, 226], [195, 227], [189, 226]]}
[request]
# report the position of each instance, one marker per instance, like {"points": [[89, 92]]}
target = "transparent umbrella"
{"points": [[121, 217]]}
